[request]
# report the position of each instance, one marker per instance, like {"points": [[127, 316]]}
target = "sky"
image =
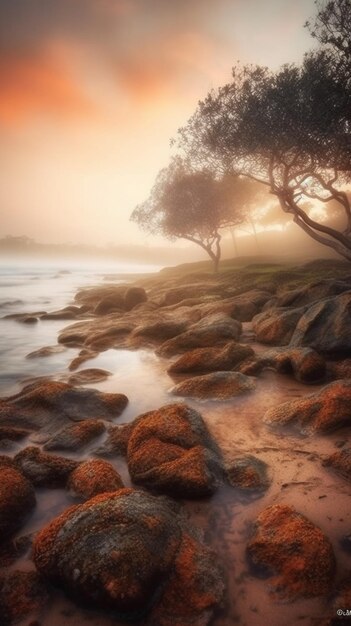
{"points": [[92, 91]]}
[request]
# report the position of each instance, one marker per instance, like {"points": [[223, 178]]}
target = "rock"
{"points": [[276, 326], [211, 359], [117, 441], [133, 553], [248, 473], [171, 451], [306, 365], [17, 499], [13, 550], [134, 296], [160, 330], [77, 436], [322, 412], [91, 296], [110, 304], [214, 330], [67, 313], [91, 375], [242, 307], [339, 369], [292, 552], [340, 462], [326, 326], [84, 355], [93, 477], [45, 351], [21, 595], [215, 386], [12, 433], [44, 470], [50, 405], [175, 295], [313, 292]]}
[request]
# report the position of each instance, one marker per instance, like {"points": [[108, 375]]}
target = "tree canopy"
{"points": [[193, 205], [288, 130]]}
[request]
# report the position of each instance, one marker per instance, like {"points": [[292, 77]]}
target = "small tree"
{"points": [[190, 205], [289, 131]]}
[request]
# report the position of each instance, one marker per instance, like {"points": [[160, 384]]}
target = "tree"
{"points": [[332, 26], [191, 205], [288, 130]]}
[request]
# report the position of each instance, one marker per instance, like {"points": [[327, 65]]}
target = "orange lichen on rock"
{"points": [[326, 410], [211, 359], [134, 553], [93, 477], [293, 552], [170, 450], [17, 499], [248, 473]]}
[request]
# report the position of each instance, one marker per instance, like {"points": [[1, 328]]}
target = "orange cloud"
{"points": [[39, 85]]}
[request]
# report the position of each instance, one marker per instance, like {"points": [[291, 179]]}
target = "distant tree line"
{"points": [[287, 131]]}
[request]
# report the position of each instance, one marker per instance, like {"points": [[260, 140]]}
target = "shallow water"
{"points": [[297, 476]]}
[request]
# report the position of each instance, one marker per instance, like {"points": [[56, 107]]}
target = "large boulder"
{"points": [[17, 499], [44, 470], [134, 296], [214, 330], [326, 326], [171, 451], [292, 552], [133, 553], [211, 359], [49, 405], [324, 411], [276, 326], [93, 477], [215, 386]]}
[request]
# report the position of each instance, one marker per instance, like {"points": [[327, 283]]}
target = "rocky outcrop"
{"points": [[322, 412], [44, 470], [133, 553], [17, 499], [215, 386], [77, 436], [171, 451], [326, 326], [211, 359], [292, 553], [214, 330], [93, 477]]}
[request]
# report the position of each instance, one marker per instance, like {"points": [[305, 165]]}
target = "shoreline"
{"points": [[207, 309]]}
